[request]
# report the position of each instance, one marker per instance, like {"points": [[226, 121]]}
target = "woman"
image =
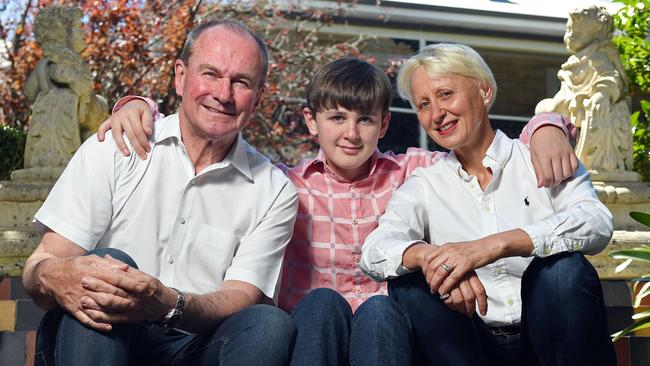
{"points": [[475, 231]]}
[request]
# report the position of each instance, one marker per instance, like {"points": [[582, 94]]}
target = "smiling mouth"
{"points": [[350, 149], [446, 126], [213, 110]]}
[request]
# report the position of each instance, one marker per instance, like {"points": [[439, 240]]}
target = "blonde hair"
{"points": [[446, 59]]}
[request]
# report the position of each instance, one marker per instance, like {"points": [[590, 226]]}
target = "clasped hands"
{"points": [[100, 291], [456, 281]]}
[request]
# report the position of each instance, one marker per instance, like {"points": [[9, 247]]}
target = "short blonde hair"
{"points": [[446, 59]]}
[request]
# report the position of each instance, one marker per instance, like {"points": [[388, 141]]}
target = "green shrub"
{"points": [[12, 149]]}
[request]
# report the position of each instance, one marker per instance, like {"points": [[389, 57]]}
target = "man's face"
{"points": [[220, 84]]}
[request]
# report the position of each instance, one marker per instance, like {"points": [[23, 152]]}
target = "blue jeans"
{"points": [[260, 334], [379, 332], [563, 320]]}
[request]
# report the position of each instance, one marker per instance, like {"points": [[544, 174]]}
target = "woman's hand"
{"points": [[136, 120], [469, 293]]}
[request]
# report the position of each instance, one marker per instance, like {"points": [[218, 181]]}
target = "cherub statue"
{"points": [[594, 94], [61, 89]]}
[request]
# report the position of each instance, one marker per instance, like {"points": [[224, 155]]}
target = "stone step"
{"points": [[19, 315]]}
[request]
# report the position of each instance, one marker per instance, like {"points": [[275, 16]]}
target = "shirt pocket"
{"points": [[211, 255]]}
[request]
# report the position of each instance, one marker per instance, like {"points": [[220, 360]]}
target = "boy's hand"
{"points": [[136, 120], [553, 157]]}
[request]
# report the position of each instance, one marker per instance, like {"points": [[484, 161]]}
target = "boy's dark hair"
{"points": [[352, 84]]}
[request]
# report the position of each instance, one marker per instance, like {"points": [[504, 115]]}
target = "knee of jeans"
{"points": [[564, 273], [382, 309], [115, 253], [325, 298], [379, 306], [269, 320]]}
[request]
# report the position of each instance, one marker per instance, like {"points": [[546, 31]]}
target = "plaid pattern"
{"points": [[334, 218]]}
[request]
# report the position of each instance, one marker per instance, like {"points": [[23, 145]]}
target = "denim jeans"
{"points": [[563, 320], [378, 333], [260, 334]]}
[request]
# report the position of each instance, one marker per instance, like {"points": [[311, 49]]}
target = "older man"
{"points": [[206, 219]]}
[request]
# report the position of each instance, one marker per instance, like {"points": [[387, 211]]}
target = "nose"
{"points": [[223, 90], [437, 114], [352, 131]]}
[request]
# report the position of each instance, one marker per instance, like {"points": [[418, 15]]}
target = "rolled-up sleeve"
{"points": [[404, 223], [581, 223]]}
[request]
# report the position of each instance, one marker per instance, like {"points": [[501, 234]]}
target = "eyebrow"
{"points": [[236, 76]]}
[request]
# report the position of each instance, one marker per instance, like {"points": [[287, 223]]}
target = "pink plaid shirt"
{"points": [[334, 218]]}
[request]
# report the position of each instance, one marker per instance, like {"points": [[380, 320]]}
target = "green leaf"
{"points": [[640, 324], [641, 217]]}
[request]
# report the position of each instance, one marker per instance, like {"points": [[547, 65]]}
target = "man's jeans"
{"points": [[379, 332], [256, 335], [563, 320]]}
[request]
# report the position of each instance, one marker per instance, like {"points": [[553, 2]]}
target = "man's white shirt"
{"points": [[442, 204], [232, 221]]}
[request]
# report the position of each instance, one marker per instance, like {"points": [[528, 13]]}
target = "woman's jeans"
{"points": [[257, 335], [563, 320], [327, 333]]}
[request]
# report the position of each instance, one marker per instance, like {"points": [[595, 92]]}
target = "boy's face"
{"points": [[348, 138]]}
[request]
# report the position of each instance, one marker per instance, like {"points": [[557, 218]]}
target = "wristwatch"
{"points": [[176, 313]]}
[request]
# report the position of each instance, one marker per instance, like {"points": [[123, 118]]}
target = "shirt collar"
{"points": [[317, 164], [496, 156], [169, 127]]}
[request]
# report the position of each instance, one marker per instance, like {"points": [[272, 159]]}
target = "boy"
{"points": [[342, 192]]}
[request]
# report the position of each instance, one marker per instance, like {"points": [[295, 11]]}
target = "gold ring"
{"points": [[446, 267]]}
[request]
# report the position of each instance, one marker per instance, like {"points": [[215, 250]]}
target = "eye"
{"points": [[337, 118], [366, 120], [241, 83], [445, 94], [210, 74], [423, 104]]}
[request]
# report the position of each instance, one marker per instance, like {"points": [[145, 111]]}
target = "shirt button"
{"points": [[547, 250], [499, 270], [354, 222], [510, 302], [357, 291], [181, 221], [357, 259], [170, 260], [352, 187]]}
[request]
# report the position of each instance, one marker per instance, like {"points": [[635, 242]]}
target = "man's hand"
{"points": [[136, 120], [150, 298], [63, 277], [552, 156]]}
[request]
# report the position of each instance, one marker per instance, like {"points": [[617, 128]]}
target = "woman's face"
{"points": [[452, 109]]}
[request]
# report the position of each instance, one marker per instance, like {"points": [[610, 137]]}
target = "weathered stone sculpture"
{"points": [[62, 91], [594, 95], [63, 103]]}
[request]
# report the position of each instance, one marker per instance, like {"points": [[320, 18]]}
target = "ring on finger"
{"points": [[446, 267], [444, 297]]}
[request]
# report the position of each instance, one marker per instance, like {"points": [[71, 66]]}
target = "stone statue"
{"points": [[594, 95], [61, 90]]}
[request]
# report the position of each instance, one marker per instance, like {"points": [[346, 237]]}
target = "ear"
{"points": [[258, 98], [385, 121], [179, 77], [486, 95], [310, 120]]}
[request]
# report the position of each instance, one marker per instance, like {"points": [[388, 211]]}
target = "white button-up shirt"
{"points": [[443, 204], [232, 221]]}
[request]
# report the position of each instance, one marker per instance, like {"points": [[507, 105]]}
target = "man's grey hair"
{"points": [[232, 25]]}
